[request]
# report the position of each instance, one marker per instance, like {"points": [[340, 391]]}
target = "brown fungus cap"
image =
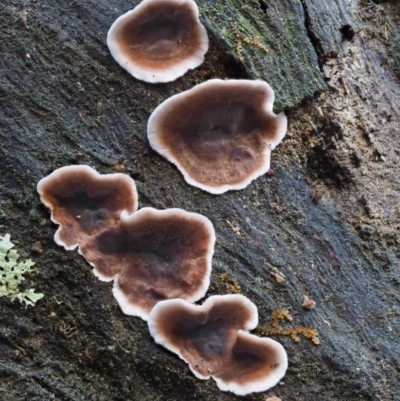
{"points": [[154, 255], [159, 40], [219, 134], [84, 202], [212, 340], [256, 364]]}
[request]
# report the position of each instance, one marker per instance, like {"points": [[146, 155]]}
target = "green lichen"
{"points": [[12, 274]]}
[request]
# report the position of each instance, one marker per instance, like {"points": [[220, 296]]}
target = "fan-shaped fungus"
{"points": [[219, 134], [154, 255], [84, 202], [210, 338], [159, 40]]}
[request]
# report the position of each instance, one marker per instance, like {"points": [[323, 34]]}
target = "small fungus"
{"points": [[159, 40], [317, 196], [219, 134], [308, 303], [84, 202], [37, 247], [213, 340], [154, 255]]}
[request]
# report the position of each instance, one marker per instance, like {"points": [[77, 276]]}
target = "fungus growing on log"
{"points": [[212, 339], [159, 40], [154, 255], [84, 202], [219, 134]]}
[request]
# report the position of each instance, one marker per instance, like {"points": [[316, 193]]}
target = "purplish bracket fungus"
{"points": [[154, 255], [84, 202], [219, 134], [159, 40], [213, 340]]}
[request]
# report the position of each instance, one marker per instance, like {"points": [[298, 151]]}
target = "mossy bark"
{"points": [[65, 101]]}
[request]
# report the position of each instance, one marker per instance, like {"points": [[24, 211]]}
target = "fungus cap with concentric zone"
{"points": [[154, 255], [213, 339], [159, 40], [219, 134], [84, 202]]}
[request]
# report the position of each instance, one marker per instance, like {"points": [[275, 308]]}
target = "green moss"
{"points": [[291, 64], [12, 274]]}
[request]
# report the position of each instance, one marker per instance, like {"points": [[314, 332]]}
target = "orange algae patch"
{"points": [[231, 284], [293, 332]]}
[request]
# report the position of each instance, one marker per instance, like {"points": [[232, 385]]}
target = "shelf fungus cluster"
{"points": [[213, 339], [154, 255], [159, 40], [220, 135], [226, 127], [151, 255], [160, 261]]}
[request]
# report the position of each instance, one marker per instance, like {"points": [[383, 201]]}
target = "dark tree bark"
{"points": [[334, 66]]}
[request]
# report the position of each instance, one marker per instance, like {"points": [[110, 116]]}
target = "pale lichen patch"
{"points": [[12, 274]]}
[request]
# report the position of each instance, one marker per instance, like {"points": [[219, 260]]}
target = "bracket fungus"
{"points": [[213, 340], [154, 255], [84, 202], [219, 134], [159, 40]]}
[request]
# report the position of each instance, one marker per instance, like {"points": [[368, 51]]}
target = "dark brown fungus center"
{"points": [[84, 202], [209, 332], [88, 207], [226, 127], [154, 255], [159, 40], [210, 338], [162, 34], [255, 364]]}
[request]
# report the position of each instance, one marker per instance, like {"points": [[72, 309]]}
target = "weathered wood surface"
{"points": [[63, 100], [326, 22]]}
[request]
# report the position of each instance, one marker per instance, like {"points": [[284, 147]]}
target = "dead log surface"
{"points": [[65, 101]]}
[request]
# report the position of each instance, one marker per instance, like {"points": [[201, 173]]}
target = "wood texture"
{"points": [[65, 101]]}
